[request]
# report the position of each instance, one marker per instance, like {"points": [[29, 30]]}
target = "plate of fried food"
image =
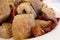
{"points": [[28, 20]]}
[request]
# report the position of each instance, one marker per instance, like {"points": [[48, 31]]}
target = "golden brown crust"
{"points": [[4, 10], [37, 31], [25, 7], [22, 25], [5, 30], [48, 11], [41, 23], [36, 4]]}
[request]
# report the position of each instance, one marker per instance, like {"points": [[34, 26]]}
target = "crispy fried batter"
{"points": [[22, 26], [4, 10], [41, 23], [37, 31], [5, 30], [25, 8], [48, 11], [36, 4]]}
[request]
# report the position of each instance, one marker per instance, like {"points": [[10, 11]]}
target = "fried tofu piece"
{"points": [[48, 11], [41, 23], [36, 4], [4, 10], [37, 31], [21, 27], [5, 30], [25, 8]]}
